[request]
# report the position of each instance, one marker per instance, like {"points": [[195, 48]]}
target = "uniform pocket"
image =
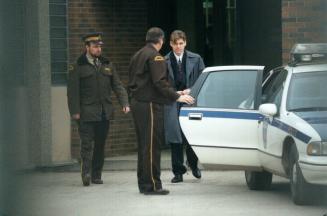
{"points": [[86, 73]]}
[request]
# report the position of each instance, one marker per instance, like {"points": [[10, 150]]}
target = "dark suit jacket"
{"points": [[194, 68]]}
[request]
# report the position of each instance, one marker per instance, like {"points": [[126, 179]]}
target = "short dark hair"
{"points": [[154, 35], [176, 35]]}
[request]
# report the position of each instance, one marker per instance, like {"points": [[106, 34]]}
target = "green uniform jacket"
{"points": [[89, 89]]}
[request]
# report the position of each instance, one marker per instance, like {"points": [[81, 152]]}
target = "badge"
{"points": [[71, 67], [159, 58], [108, 70]]}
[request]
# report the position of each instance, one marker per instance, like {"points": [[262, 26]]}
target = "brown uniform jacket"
{"points": [[148, 77], [89, 89]]}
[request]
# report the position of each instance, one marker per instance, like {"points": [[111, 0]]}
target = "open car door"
{"points": [[222, 127]]}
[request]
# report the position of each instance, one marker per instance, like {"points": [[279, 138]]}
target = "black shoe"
{"points": [[86, 179], [196, 173], [157, 192], [97, 181], [177, 178]]}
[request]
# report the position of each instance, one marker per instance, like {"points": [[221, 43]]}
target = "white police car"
{"points": [[276, 126]]}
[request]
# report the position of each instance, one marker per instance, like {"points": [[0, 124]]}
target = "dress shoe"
{"points": [[86, 179], [196, 173], [97, 181], [157, 192], [177, 178]]}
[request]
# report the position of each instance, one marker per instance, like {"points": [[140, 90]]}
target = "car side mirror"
{"points": [[268, 109]]}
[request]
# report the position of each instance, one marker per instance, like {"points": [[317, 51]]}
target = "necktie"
{"points": [[180, 71], [96, 62]]}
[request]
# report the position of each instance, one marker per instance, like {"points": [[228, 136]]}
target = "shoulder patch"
{"points": [[71, 67], [159, 58]]}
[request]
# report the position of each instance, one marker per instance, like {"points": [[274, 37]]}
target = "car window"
{"points": [[307, 92], [273, 89], [228, 89], [276, 98]]}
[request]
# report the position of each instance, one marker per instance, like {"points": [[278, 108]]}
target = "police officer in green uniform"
{"points": [[90, 82], [149, 91]]}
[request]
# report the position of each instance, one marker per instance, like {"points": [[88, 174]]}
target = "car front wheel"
{"points": [[299, 188], [258, 180]]}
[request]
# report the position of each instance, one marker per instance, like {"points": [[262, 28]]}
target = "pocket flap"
{"points": [[86, 73]]}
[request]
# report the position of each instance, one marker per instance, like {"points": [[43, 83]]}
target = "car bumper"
{"points": [[314, 173]]}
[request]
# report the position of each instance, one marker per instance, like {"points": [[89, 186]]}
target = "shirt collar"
{"points": [[180, 57], [90, 59]]}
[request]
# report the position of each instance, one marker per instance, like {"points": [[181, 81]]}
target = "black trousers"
{"points": [[177, 153], [148, 120], [177, 157], [93, 137]]}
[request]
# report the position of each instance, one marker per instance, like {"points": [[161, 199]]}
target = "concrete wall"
{"points": [[60, 119]]}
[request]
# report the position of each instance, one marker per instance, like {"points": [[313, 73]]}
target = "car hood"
{"points": [[317, 120]]}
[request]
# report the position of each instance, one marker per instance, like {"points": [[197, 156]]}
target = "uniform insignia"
{"points": [[159, 58], [107, 70], [71, 67]]}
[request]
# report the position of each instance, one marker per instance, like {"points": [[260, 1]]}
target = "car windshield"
{"points": [[308, 92]]}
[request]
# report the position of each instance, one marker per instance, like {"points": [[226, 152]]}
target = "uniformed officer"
{"points": [[90, 83], [149, 91]]}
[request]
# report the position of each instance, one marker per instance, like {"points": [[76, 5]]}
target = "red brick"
{"points": [[124, 24]]}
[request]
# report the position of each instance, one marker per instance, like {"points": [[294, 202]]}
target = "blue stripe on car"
{"points": [[223, 114], [250, 116], [290, 130]]}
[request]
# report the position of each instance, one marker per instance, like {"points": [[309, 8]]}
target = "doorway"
{"points": [[224, 32]]}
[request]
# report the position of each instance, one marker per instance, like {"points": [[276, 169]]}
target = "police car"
{"points": [[265, 125]]}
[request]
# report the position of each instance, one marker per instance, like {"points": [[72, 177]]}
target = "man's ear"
{"points": [[87, 46]]}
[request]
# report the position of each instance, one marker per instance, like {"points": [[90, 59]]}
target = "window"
{"points": [[307, 92], [272, 91], [228, 89], [58, 41]]}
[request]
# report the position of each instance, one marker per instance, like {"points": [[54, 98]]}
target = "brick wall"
{"points": [[124, 23], [303, 21]]}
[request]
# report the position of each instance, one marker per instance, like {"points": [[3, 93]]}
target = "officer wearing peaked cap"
{"points": [[90, 83]]}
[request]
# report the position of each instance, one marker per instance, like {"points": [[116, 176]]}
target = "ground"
{"points": [[59, 191]]}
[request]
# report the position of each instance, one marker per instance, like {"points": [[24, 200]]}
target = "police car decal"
{"points": [[317, 122], [291, 130]]}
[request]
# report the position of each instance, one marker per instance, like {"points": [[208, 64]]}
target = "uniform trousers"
{"points": [[148, 120], [93, 137]]}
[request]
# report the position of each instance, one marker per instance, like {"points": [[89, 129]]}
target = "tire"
{"points": [[299, 188], [258, 180]]}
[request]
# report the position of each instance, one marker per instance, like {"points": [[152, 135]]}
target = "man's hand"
{"points": [[186, 99], [186, 91], [126, 109], [76, 116]]}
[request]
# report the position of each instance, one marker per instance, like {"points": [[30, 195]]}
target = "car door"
{"points": [[222, 127], [271, 137]]}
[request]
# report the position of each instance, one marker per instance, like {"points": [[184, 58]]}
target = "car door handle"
{"points": [[195, 116]]}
